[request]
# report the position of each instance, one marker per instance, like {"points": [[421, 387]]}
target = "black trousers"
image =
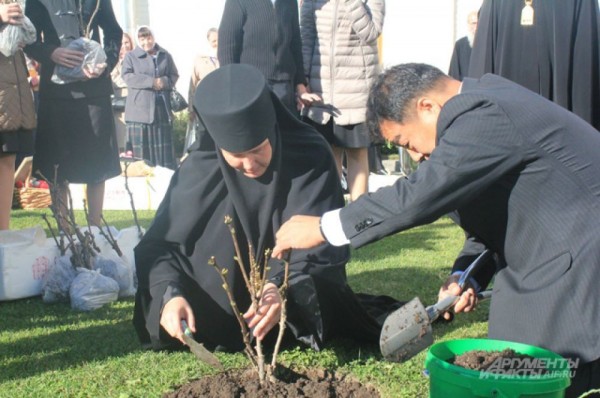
{"points": [[586, 378]]}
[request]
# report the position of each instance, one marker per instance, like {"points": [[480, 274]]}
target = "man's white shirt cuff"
{"points": [[331, 227]]}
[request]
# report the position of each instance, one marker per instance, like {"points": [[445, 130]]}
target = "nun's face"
{"points": [[252, 163]]}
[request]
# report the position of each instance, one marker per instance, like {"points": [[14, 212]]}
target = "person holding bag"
{"points": [[150, 74], [17, 112], [75, 140]]}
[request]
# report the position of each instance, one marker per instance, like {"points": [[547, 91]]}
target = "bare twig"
{"points": [[238, 315], [89, 235], [110, 238], [256, 279], [238, 253], [59, 244], [82, 253], [135, 217], [283, 317]]}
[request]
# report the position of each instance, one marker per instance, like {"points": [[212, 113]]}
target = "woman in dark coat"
{"points": [[76, 130], [150, 74], [259, 165]]}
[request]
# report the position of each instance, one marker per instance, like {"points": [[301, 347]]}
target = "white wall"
{"points": [[179, 26], [414, 30], [424, 30]]}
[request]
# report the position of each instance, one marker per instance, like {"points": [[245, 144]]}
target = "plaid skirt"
{"points": [[153, 142]]}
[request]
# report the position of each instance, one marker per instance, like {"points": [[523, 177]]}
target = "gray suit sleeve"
{"points": [[478, 145]]}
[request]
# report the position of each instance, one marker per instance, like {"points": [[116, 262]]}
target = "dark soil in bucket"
{"points": [[484, 360], [243, 383]]}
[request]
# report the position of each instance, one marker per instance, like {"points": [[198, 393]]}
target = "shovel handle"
{"points": [[481, 296], [473, 267]]}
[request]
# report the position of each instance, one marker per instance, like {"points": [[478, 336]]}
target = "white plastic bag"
{"points": [[91, 290], [94, 61], [13, 37], [58, 280], [114, 268]]}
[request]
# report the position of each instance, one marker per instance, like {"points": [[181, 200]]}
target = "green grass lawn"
{"points": [[52, 350]]}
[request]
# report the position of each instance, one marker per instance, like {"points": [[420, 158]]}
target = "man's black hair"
{"points": [[395, 89]]}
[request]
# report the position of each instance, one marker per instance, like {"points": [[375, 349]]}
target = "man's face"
{"points": [[213, 40], [472, 22], [417, 133], [252, 163]]}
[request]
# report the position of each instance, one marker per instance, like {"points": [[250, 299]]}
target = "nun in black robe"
{"points": [[558, 56], [239, 113]]}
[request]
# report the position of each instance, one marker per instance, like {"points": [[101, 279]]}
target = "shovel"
{"points": [[198, 349], [407, 331]]}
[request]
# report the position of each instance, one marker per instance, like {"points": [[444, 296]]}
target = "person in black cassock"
{"points": [[554, 52], [461, 55], [260, 165]]}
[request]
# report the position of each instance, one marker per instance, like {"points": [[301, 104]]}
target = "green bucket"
{"points": [[450, 381]]}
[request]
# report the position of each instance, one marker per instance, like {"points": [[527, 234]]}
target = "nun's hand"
{"points": [[299, 232], [173, 312], [268, 314]]}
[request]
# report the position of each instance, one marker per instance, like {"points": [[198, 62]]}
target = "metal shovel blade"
{"points": [[198, 349], [406, 332]]}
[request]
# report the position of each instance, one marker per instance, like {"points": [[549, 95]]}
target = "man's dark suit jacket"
{"points": [[523, 176]]}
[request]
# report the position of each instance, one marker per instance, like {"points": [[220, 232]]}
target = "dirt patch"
{"points": [[243, 383], [484, 360]]}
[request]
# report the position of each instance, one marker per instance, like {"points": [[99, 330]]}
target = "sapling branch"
{"points": [[255, 279], [89, 236], [135, 217], [110, 238], [238, 315], [238, 253], [60, 244], [283, 317]]}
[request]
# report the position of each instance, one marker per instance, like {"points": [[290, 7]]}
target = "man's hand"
{"points": [[299, 232], [268, 314], [467, 300], [173, 312], [11, 14], [67, 57]]}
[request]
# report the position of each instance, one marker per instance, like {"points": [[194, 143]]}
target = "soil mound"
{"points": [[243, 383]]}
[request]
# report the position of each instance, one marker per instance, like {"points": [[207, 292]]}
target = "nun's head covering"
{"points": [[235, 104]]}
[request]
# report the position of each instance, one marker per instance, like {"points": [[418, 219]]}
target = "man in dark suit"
{"points": [[521, 176]]}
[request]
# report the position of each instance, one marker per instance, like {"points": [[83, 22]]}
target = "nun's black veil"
{"points": [[188, 229]]}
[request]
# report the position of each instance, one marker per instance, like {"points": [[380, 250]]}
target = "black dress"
{"points": [[76, 129], [461, 55], [188, 229], [557, 57]]}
